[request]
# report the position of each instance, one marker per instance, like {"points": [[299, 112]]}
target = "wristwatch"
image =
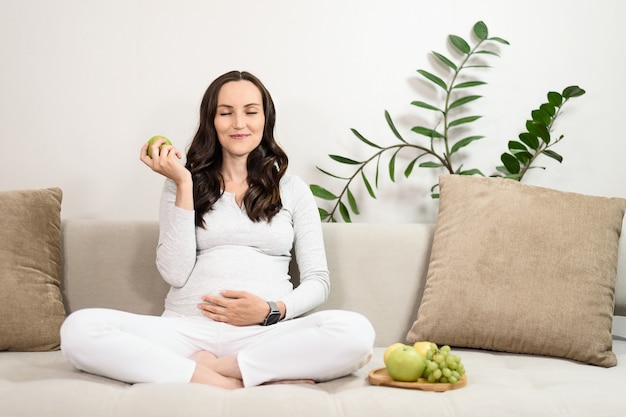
{"points": [[273, 316]]}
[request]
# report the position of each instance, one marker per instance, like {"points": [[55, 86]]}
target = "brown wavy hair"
{"points": [[267, 163]]}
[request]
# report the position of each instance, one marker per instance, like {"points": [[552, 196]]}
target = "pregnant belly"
{"points": [[231, 268]]}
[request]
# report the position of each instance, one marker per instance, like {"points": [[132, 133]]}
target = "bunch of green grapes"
{"points": [[442, 366]]}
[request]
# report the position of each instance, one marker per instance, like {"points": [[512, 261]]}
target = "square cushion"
{"points": [[31, 306], [522, 269]]}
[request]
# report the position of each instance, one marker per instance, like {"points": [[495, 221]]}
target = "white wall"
{"points": [[84, 83]]}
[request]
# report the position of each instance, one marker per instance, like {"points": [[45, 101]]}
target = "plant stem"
{"points": [[370, 159], [544, 145], [448, 163]]}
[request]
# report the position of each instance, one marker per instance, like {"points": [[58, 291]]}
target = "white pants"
{"points": [[139, 348]]}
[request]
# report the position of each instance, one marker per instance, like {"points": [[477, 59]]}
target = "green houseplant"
{"points": [[438, 147]]}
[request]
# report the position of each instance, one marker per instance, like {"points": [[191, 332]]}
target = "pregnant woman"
{"points": [[229, 220]]}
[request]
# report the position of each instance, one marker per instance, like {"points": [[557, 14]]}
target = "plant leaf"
{"points": [[411, 165], [573, 91], [530, 140], [480, 30], [322, 192], [433, 78], [485, 51], [463, 120], [431, 133], [323, 213], [472, 172], [556, 99], [469, 84], [368, 185], [352, 201], [541, 116], [445, 60], [460, 44], [377, 171], [510, 162], [538, 129], [499, 40], [344, 160], [430, 164], [462, 101], [393, 127], [392, 166], [503, 170], [464, 142], [332, 175], [345, 215], [523, 156], [553, 155], [362, 139], [426, 106], [515, 146], [548, 108], [477, 66]]}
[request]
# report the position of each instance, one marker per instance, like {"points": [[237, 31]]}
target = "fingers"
{"points": [[143, 155], [212, 299], [158, 149], [144, 151], [238, 308], [215, 312], [214, 305], [163, 159], [234, 294], [210, 309]]}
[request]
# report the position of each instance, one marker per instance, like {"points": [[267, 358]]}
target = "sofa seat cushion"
{"points": [[499, 384]]}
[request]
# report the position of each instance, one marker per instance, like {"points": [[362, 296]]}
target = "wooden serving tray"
{"points": [[381, 377]]}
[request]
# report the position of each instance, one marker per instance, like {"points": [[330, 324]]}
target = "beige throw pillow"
{"points": [[522, 269], [31, 307]]}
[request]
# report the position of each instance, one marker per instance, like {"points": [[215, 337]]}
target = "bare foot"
{"points": [[291, 381], [204, 357], [206, 372], [204, 375], [210, 370]]}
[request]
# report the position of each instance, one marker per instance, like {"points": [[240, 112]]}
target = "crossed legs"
{"points": [[135, 348]]}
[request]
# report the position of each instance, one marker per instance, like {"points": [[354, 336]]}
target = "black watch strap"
{"points": [[273, 316]]}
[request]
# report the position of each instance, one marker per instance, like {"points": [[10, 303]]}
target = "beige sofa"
{"points": [[378, 270]]}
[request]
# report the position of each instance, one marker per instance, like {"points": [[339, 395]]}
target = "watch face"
{"points": [[272, 318], [274, 315]]}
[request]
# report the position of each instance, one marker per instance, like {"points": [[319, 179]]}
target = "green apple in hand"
{"points": [[405, 364], [155, 138]]}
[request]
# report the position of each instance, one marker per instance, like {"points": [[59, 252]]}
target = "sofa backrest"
{"points": [[376, 269], [111, 264]]}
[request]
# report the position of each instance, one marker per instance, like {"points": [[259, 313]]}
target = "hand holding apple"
{"points": [[168, 164], [154, 139]]}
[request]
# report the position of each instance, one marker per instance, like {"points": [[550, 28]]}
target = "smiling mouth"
{"points": [[239, 136]]}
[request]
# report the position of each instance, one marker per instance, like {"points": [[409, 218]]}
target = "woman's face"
{"points": [[239, 119]]}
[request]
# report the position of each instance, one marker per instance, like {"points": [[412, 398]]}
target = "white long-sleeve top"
{"points": [[235, 253]]}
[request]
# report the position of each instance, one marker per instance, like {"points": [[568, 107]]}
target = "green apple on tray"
{"points": [[424, 362]]}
